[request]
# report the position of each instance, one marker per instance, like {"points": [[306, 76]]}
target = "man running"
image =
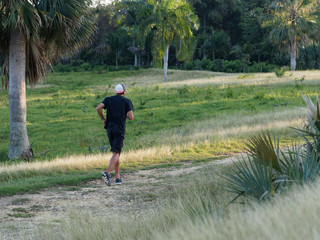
{"points": [[118, 109]]}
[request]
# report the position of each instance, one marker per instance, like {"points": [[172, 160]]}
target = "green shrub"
{"points": [[280, 72], [233, 66], [261, 67], [188, 66], [205, 64], [219, 65], [268, 169], [197, 65]]}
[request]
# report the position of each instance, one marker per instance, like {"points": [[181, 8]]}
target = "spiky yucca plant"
{"points": [[251, 178], [314, 116], [268, 169], [262, 148]]}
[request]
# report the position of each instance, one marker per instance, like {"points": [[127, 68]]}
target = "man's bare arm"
{"points": [[99, 110], [130, 115]]}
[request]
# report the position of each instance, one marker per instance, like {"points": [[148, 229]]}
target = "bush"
{"points": [[234, 66], [261, 67], [269, 169], [219, 65], [188, 66], [197, 65], [86, 66], [62, 68], [206, 63], [280, 72]]}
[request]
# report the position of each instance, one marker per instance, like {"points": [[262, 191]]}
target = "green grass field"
{"points": [[62, 119]]}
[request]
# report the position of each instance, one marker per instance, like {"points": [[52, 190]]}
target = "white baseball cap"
{"points": [[120, 88]]}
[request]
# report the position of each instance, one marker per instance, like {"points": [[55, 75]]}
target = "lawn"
{"points": [[62, 119]]}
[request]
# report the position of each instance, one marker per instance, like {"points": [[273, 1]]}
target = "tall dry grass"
{"points": [[290, 216], [294, 217], [178, 78], [79, 162], [228, 127]]}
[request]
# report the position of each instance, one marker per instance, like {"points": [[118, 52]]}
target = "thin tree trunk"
{"points": [[139, 60], [117, 60], [165, 62], [293, 61], [19, 145], [135, 54], [293, 56], [135, 60]]}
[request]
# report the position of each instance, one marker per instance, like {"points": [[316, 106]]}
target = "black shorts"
{"points": [[116, 138]]}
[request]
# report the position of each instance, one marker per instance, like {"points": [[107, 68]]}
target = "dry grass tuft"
{"points": [[79, 162]]}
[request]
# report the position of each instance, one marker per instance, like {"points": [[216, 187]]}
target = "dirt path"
{"points": [[20, 214]]}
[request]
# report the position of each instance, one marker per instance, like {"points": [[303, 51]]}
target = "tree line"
{"points": [[134, 32]]}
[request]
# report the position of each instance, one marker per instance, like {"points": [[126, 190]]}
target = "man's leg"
{"points": [[117, 168], [113, 160]]}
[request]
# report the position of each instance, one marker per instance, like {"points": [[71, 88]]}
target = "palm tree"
{"points": [[32, 34], [171, 21], [114, 43], [293, 23], [218, 43], [127, 16]]}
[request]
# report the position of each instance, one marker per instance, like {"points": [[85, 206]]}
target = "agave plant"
{"points": [[251, 178], [261, 147], [314, 116], [299, 166], [268, 169]]}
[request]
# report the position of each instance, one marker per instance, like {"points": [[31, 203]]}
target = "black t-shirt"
{"points": [[117, 108]]}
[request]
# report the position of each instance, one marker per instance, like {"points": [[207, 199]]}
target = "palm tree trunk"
{"points": [[165, 62], [293, 56], [135, 55], [19, 145], [292, 61]]}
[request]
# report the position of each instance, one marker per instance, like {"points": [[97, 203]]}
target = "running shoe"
{"points": [[106, 178], [118, 181]]}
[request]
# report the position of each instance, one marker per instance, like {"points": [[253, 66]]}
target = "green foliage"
{"points": [[58, 26], [292, 23], [261, 147], [301, 166], [170, 22], [184, 90], [229, 93], [280, 72], [251, 178], [309, 57], [273, 168], [268, 169]]}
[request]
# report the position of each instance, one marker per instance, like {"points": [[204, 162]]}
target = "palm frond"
{"points": [[51, 27], [261, 147], [301, 166], [250, 178], [314, 116]]}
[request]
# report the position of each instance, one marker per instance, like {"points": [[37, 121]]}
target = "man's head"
{"points": [[120, 89]]}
